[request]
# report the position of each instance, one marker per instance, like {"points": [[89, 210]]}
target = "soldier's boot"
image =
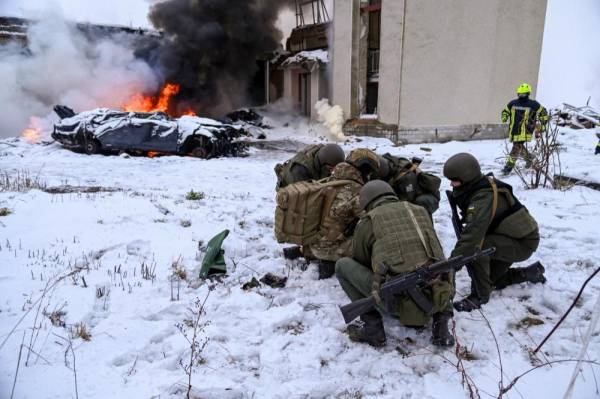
{"points": [[468, 304], [292, 253], [507, 169], [371, 331], [532, 274], [326, 269], [440, 333]]}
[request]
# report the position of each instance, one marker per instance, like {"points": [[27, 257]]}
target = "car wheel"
{"points": [[199, 152], [92, 147]]}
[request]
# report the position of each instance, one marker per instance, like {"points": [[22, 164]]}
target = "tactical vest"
{"points": [[514, 222], [302, 215], [404, 237], [405, 240], [306, 158]]}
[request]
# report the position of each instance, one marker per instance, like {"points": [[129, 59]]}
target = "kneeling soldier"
{"points": [[400, 235], [491, 217], [312, 163], [409, 182]]}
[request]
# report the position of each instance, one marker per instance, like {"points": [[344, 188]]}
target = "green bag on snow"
{"points": [[214, 262]]}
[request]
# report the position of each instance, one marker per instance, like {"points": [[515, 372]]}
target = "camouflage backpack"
{"points": [[302, 210]]}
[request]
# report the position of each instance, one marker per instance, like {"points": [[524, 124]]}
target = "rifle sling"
{"points": [[420, 300]]}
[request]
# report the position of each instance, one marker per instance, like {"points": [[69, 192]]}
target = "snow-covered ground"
{"points": [[266, 342]]}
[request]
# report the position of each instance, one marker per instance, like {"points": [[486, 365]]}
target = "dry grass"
{"points": [[80, 330], [21, 181]]}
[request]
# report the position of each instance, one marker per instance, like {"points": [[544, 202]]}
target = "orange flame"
{"points": [[34, 133], [161, 103]]}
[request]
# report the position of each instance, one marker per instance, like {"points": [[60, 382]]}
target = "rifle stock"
{"points": [[407, 281], [354, 309]]}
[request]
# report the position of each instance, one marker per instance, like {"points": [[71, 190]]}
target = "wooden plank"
{"points": [[567, 180]]}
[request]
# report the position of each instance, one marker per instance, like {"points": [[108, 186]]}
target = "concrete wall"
{"points": [[390, 61], [462, 60], [344, 53]]}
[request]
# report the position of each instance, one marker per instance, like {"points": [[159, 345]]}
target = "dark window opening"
{"points": [[372, 93]]}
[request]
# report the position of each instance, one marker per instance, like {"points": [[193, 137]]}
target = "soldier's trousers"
{"points": [[496, 270], [519, 149], [357, 280]]}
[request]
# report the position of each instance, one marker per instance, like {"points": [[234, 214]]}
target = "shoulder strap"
{"points": [[494, 203]]}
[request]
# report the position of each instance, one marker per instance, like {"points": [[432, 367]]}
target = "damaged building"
{"points": [[425, 70], [299, 74], [13, 29]]}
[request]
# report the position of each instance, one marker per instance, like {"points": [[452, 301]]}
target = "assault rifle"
{"points": [[457, 227], [407, 283]]}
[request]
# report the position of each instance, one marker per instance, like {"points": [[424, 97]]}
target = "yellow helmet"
{"points": [[524, 89]]}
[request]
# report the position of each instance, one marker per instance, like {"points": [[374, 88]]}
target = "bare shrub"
{"points": [[545, 160], [191, 328]]}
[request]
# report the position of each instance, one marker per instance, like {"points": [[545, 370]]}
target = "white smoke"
{"points": [[331, 117], [61, 66]]}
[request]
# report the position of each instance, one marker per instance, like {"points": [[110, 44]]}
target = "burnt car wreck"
{"points": [[110, 131]]}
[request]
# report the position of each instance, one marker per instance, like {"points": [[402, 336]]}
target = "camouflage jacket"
{"points": [[337, 224], [413, 185]]}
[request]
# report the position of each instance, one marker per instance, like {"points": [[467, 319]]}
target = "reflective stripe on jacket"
{"points": [[523, 114]]}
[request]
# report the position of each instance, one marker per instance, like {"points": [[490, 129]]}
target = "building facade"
{"points": [[430, 70]]}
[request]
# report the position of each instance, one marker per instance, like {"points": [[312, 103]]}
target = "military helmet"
{"points": [[364, 160], [524, 89], [384, 167], [373, 190], [463, 167], [330, 154]]}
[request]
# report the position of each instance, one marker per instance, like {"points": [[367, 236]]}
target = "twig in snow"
{"points": [[586, 342], [567, 312], [12, 392], [46, 289], [517, 378], [196, 347], [466, 379]]}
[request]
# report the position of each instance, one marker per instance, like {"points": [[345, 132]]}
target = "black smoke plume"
{"points": [[210, 47]]}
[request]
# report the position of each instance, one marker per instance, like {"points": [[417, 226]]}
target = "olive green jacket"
{"points": [[303, 166], [475, 201]]}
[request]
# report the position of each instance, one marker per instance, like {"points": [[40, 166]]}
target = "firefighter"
{"points": [[523, 114]]}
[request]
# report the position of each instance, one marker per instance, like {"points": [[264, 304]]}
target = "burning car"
{"points": [[108, 131]]}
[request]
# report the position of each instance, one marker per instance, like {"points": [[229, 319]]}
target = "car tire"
{"points": [[91, 147], [200, 152]]}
